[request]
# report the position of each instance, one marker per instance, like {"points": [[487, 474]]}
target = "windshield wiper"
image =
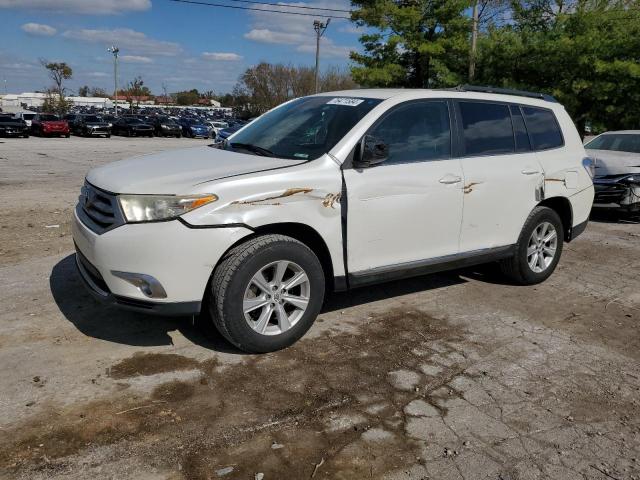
{"points": [[253, 148]]}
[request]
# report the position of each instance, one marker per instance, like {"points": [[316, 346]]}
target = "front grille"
{"points": [[99, 210]]}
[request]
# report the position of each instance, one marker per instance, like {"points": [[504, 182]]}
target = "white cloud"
{"points": [[264, 35], [39, 29], [97, 74], [327, 49], [83, 7], [135, 59], [128, 40], [222, 56], [352, 29], [290, 30]]}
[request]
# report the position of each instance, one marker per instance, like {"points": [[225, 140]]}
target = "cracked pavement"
{"points": [[450, 376]]}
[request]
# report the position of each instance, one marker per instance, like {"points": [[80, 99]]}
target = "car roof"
{"points": [[411, 93]]}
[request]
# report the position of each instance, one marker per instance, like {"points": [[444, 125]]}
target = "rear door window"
{"points": [[543, 128], [487, 128]]}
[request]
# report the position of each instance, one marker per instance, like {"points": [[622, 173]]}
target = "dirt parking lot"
{"points": [[451, 376]]}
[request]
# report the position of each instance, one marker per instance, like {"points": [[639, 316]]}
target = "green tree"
{"points": [[418, 43], [136, 89], [587, 56], [189, 97], [58, 73], [83, 91]]}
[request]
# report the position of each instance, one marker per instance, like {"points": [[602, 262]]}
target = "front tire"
{"points": [[538, 249], [266, 293]]}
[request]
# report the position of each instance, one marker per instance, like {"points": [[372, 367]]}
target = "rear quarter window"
{"points": [[543, 128]]}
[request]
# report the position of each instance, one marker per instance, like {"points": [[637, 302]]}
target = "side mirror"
{"points": [[371, 151]]}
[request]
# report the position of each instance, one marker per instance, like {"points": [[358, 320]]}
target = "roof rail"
{"points": [[504, 91]]}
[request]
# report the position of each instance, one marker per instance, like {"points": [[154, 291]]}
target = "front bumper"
{"points": [[17, 131], [179, 257], [616, 195], [98, 131]]}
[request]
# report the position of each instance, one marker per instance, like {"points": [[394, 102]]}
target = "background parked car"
{"points": [[131, 127], [616, 157], [44, 124], [167, 127], [13, 127], [92, 126], [227, 132], [194, 128], [26, 116]]}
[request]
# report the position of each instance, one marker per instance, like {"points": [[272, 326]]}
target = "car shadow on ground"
{"points": [[106, 322], [613, 216]]}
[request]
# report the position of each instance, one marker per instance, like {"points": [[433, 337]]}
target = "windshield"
{"points": [[48, 118], [132, 120], [305, 128], [28, 116], [92, 118], [617, 142]]}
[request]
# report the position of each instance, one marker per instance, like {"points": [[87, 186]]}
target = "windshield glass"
{"points": [[617, 142], [92, 118], [28, 116], [48, 118], [305, 128]]}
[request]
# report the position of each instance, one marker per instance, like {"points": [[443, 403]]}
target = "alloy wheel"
{"points": [[542, 246], [276, 297]]}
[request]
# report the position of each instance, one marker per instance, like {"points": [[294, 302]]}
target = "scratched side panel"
{"points": [[308, 193]]}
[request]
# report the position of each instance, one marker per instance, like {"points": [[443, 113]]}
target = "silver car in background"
{"points": [[616, 157]]}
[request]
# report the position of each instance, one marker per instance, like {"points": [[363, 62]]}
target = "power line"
{"points": [[292, 6], [237, 7]]}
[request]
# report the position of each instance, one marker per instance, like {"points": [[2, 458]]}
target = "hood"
{"points": [[96, 124], [54, 123], [609, 162], [179, 171]]}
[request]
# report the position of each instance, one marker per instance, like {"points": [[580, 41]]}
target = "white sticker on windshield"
{"points": [[348, 102]]}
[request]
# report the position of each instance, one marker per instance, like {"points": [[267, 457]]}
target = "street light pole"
{"points": [[319, 27], [115, 50]]}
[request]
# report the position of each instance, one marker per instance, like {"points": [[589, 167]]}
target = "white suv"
{"points": [[331, 192]]}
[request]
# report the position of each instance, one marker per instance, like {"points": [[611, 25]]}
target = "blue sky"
{"points": [[180, 45]]}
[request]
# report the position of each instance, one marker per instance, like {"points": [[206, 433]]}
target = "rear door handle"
{"points": [[449, 179], [530, 171]]}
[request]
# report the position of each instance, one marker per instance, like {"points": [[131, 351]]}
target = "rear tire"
{"points": [[289, 301], [538, 249]]}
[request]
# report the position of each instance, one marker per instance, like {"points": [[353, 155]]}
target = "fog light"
{"points": [[147, 284]]}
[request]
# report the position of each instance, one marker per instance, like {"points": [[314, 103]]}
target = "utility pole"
{"points": [[320, 28], [115, 50], [474, 42]]}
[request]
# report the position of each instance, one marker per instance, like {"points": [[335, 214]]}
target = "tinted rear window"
{"points": [[487, 128], [543, 128]]}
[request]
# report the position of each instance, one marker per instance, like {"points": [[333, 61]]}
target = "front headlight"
{"points": [[149, 208]]}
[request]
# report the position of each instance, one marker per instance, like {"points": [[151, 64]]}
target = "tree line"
{"points": [[586, 53]]}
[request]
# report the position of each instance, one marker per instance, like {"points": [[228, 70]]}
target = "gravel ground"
{"points": [[451, 376]]}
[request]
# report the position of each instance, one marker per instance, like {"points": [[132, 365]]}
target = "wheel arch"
{"points": [[562, 206], [301, 232]]}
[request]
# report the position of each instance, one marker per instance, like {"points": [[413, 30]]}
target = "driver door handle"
{"points": [[449, 179]]}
